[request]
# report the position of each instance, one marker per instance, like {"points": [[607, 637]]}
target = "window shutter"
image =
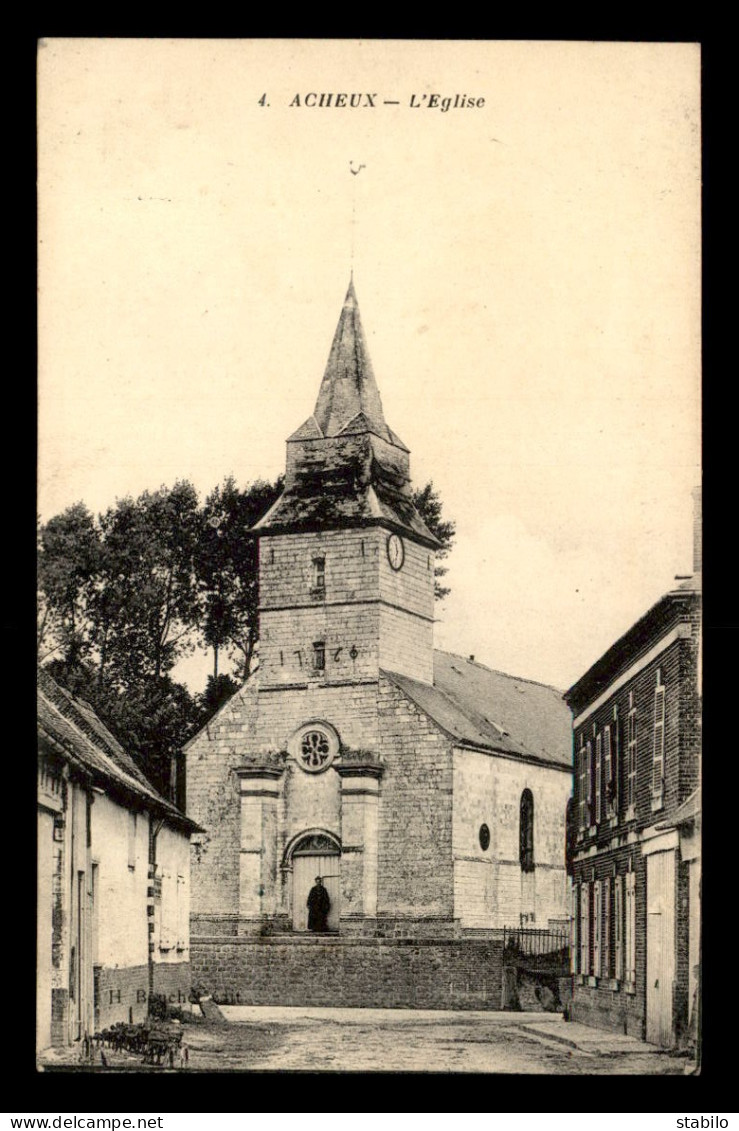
{"points": [[574, 905], [606, 932], [631, 929], [618, 916], [583, 799], [598, 775], [589, 781], [597, 927], [181, 914], [132, 825], [658, 761], [631, 800], [616, 762], [167, 940], [585, 928]]}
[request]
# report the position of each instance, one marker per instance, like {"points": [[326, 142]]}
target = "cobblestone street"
{"points": [[265, 1039]]}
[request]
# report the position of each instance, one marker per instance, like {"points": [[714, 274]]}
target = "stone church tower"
{"points": [[359, 754]]}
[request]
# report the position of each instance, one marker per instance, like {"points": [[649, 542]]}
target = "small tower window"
{"points": [[526, 831], [318, 581], [319, 655]]}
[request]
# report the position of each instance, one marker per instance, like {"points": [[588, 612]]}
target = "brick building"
{"points": [[428, 791], [113, 879], [635, 835]]}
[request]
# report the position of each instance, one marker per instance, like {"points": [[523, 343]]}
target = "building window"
{"points": [[526, 831], [631, 755], [319, 656], [606, 932], [630, 931], [589, 782], [315, 750], [618, 924], [585, 929], [314, 746], [318, 579], [608, 770], [598, 776], [658, 754], [597, 928]]}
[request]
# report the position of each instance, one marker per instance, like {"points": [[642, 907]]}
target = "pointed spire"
{"points": [[348, 386]]}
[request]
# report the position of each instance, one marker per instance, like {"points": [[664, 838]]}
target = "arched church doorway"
{"points": [[315, 854]]}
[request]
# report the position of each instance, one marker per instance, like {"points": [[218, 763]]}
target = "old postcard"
{"points": [[369, 556]]}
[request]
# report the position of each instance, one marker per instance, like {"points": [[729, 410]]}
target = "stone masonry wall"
{"points": [[373, 973], [415, 872], [490, 889]]}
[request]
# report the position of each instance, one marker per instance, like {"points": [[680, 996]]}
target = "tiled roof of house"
{"points": [[661, 617], [480, 707], [65, 721]]}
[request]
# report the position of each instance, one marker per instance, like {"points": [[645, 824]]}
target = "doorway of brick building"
{"points": [[316, 854], [660, 948]]}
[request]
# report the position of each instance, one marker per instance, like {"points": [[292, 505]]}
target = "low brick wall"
{"points": [[174, 980], [613, 1010], [350, 972], [123, 992]]}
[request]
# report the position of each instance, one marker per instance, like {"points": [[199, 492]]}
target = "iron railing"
{"points": [[537, 941]]}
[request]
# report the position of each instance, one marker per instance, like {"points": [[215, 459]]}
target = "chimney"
{"points": [[697, 530]]}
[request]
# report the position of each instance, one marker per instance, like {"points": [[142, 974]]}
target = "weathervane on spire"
{"points": [[354, 172]]}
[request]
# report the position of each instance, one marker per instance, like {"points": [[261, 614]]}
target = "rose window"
{"points": [[315, 750]]}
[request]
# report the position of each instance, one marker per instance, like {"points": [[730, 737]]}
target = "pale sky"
{"points": [[527, 272]]}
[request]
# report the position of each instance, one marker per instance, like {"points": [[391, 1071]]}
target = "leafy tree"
{"points": [[227, 567], [218, 691], [69, 556], [119, 603], [147, 605], [429, 506]]}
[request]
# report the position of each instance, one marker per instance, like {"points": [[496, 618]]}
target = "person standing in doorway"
{"points": [[319, 905]]}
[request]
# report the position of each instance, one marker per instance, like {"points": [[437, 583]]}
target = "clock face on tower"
{"points": [[395, 551]]}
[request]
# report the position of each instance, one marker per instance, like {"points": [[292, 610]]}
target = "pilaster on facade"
{"points": [[360, 792], [259, 789]]}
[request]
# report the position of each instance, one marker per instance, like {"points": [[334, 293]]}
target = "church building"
{"points": [[427, 791]]}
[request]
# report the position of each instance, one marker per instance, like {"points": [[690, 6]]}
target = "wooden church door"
{"points": [[315, 855]]}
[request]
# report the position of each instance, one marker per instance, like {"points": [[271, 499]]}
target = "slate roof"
{"points": [[338, 505], [348, 387], [662, 616], [480, 707], [65, 721]]}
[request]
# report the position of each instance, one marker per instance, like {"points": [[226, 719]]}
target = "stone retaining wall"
{"points": [[350, 972]]}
